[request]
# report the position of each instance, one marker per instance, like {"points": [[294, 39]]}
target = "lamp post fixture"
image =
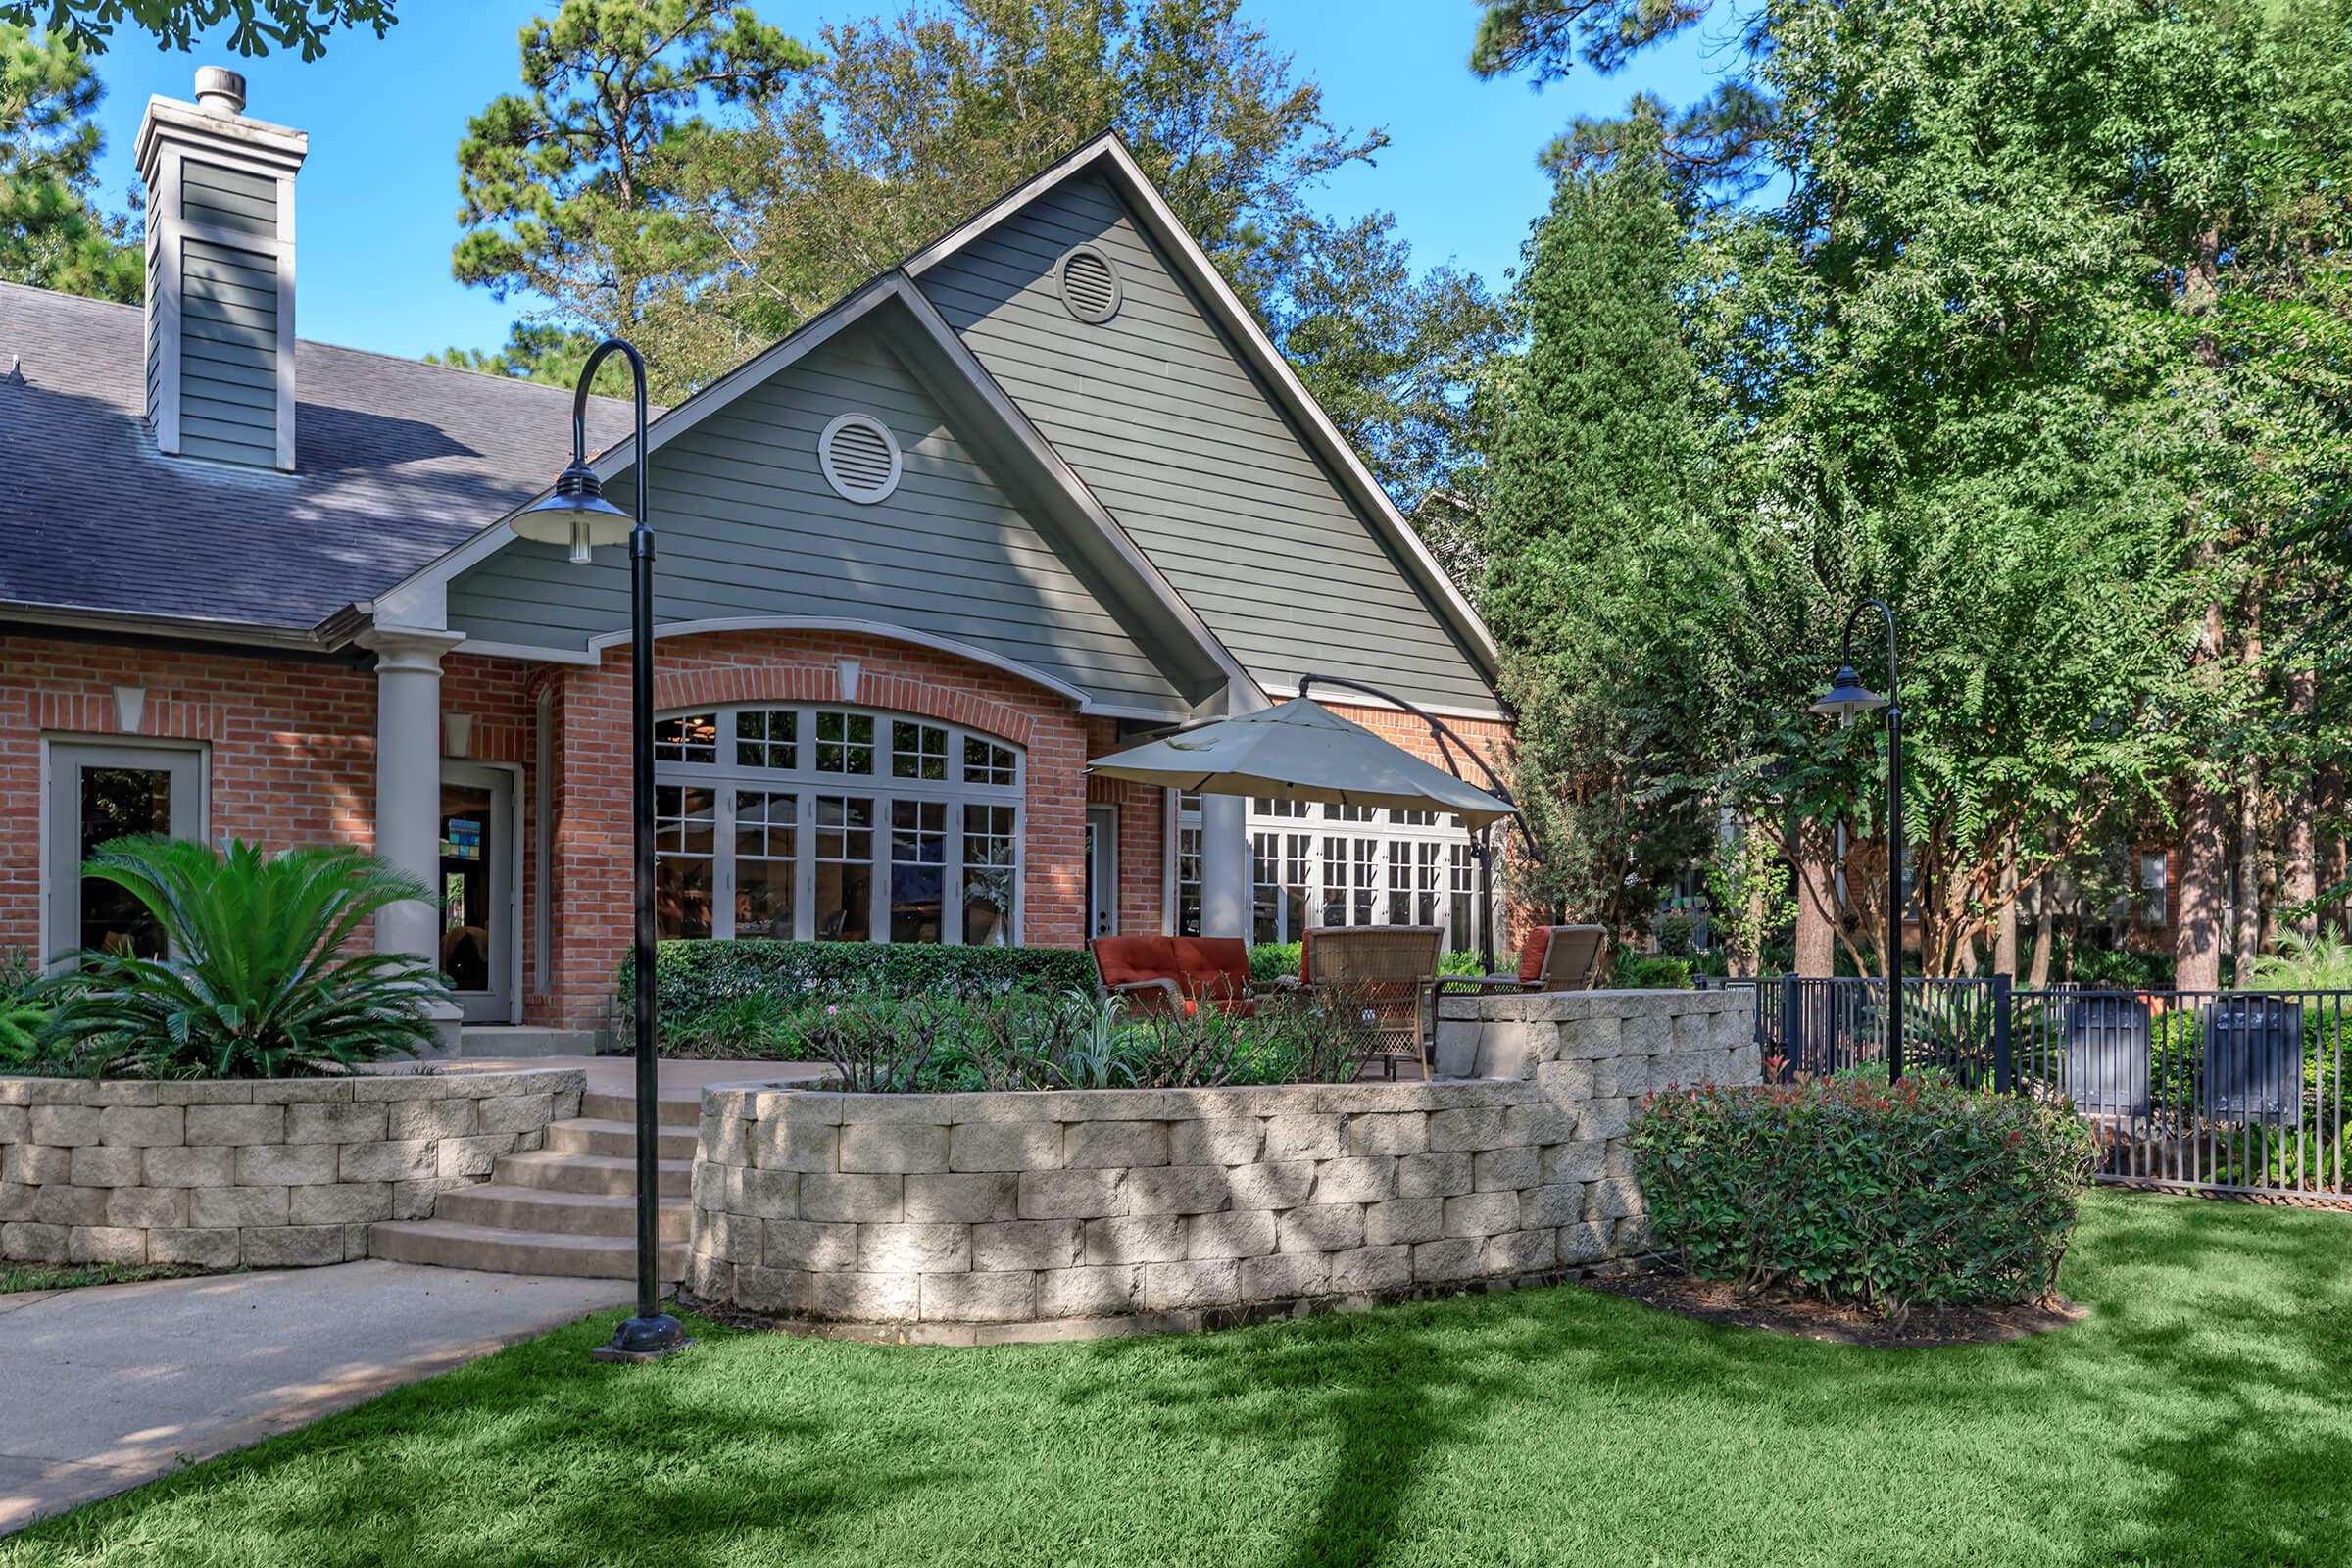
{"points": [[577, 515], [1847, 696]]}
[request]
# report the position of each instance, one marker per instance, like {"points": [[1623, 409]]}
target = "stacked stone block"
{"points": [[942, 1210], [251, 1173]]}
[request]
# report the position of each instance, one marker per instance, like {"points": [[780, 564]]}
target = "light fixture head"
{"points": [[574, 514], [1847, 696]]}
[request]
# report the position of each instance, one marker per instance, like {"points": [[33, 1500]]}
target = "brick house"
{"points": [[1041, 488]]}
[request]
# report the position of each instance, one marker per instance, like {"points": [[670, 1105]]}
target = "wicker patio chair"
{"points": [[1563, 958], [1394, 969]]}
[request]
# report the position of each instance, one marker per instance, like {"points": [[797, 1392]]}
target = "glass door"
{"points": [[101, 793], [477, 889]]}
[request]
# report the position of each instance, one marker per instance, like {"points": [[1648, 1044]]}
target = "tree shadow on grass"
{"points": [[2204, 1406], [2198, 1417]]}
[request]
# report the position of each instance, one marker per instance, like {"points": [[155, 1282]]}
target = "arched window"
{"points": [[834, 824]]}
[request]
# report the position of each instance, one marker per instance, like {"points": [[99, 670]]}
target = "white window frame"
{"points": [[1368, 836], [126, 749], [725, 776]]}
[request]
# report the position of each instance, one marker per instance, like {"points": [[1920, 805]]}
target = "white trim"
{"points": [[419, 584], [833, 477], [668, 424], [1110, 270], [864, 629], [1109, 897], [543, 837], [77, 740], [286, 389], [1199, 270], [724, 778], [1033, 440], [510, 834]]}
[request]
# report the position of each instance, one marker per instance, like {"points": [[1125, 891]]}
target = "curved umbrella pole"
{"points": [[1481, 839]]}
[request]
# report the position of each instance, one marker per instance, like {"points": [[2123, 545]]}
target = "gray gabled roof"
{"points": [[396, 463]]}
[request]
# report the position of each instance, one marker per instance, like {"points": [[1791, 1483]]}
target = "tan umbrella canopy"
{"points": [[1300, 750]]}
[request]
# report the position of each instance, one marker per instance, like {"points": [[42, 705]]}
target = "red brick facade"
{"points": [[291, 759]]}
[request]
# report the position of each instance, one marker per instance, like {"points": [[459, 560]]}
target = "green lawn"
{"points": [[2203, 1416]]}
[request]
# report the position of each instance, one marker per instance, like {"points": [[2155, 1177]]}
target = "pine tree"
{"points": [[1591, 542]]}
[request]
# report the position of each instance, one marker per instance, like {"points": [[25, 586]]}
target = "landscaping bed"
{"points": [[1787, 1312], [2195, 1417]]}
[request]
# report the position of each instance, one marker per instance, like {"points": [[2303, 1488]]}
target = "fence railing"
{"points": [[2216, 1091]]}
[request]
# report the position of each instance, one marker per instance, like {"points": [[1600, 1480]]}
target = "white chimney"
{"points": [[219, 275]]}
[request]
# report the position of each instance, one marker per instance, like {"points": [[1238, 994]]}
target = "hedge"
{"points": [[1850, 1191], [697, 975]]}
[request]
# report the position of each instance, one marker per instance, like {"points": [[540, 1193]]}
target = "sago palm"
{"points": [[266, 975]]}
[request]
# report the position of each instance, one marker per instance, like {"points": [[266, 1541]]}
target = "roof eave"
{"points": [[1111, 153]]}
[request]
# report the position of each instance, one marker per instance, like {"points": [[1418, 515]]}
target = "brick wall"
{"points": [[292, 761], [1143, 837], [592, 787], [292, 745]]}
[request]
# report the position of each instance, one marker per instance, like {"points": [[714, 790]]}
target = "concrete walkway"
{"points": [[111, 1387]]}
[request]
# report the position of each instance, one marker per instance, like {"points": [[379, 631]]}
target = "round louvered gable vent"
{"points": [[1090, 284], [859, 458]]}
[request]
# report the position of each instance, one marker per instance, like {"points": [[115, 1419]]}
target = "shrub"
{"points": [[1024, 1040], [1272, 960], [692, 977], [1848, 1189], [1677, 937], [1639, 971], [268, 976]]}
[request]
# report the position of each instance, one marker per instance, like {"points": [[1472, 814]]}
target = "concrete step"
{"points": [[588, 1135], [607, 1175], [497, 1039], [495, 1205], [447, 1244], [679, 1109]]}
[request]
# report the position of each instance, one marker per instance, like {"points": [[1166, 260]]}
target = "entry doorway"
{"points": [[1102, 871], [97, 793], [481, 929]]}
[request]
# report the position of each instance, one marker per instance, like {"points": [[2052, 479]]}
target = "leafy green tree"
{"points": [[552, 355], [572, 189], [2034, 258], [1594, 549], [52, 235], [255, 26], [910, 123]]}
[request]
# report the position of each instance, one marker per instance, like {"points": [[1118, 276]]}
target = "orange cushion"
{"points": [[1530, 955], [1124, 960], [1217, 967]]}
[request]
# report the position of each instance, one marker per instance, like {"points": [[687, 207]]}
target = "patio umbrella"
{"points": [[1300, 750]]}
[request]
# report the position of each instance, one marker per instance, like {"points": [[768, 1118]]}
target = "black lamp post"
{"points": [[1847, 696], [576, 515]]}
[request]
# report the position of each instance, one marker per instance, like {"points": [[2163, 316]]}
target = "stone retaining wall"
{"points": [[251, 1173], [966, 1217]]}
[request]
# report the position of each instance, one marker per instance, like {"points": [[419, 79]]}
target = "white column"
{"points": [[1224, 865], [408, 775]]}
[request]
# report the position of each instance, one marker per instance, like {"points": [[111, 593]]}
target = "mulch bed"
{"points": [[1719, 1301]]}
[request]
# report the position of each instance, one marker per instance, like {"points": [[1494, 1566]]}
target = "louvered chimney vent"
{"points": [[219, 275]]}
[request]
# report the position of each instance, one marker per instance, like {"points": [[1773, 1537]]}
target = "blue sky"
{"points": [[376, 216]]}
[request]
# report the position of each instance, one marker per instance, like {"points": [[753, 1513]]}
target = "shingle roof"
{"points": [[396, 462]]}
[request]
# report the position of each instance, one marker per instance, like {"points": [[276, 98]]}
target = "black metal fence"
{"points": [[2207, 1090]]}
